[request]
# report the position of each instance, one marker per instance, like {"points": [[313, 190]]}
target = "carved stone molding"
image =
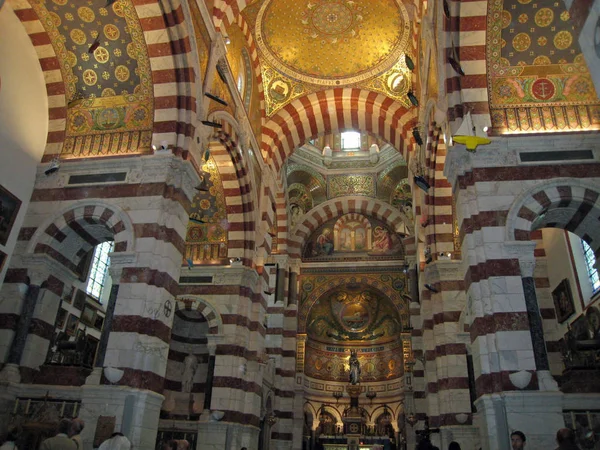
{"points": [[523, 250], [40, 266], [444, 270]]}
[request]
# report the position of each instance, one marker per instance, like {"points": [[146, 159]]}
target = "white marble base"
{"points": [[139, 423], [537, 414]]}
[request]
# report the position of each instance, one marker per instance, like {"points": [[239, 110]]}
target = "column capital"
{"points": [[524, 252], [212, 341], [40, 266], [118, 261]]}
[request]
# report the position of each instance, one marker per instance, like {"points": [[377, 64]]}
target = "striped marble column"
{"points": [[35, 325]]}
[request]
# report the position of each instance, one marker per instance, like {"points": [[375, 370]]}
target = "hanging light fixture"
{"points": [[197, 218], [431, 288], [417, 136], [203, 186], [421, 182], [412, 98], [209, 123], [453, 59], [409, 62], [216, 98], [371, 395], [446, 9]]}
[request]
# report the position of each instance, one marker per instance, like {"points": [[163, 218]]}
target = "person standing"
{"points": [[565, 438], [117, 441], [75, 433], [10, 443], [517, 440], [61, 441]]}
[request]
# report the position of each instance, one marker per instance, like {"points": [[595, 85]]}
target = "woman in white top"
{"points": [[116, 442], [10, 442]]}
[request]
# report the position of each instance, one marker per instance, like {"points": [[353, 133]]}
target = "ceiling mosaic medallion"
{"points": [[335, 41]]}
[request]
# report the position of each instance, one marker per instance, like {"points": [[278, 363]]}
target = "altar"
{"points": [[359, 447]]}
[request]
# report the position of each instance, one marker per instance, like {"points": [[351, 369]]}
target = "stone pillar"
{"points": [[34, 329], [212, 347], [413, 280], [10, 372], [527, 267], [280, 285], [115, 269], [293, 288], [525, 251]]}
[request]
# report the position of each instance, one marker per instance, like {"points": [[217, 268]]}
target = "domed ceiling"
{"points": [[335, 40], [353, 317], [309, 45]]}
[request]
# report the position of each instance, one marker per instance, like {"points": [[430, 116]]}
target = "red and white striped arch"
{"points": [[68, 236], [173, 73], [253, 52], [466, 29], [568, 203], [237, 186], [170, 59], [338, 207], [333, 110]]}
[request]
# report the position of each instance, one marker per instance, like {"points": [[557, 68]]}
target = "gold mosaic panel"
{"points": [[337, 41], [330, 363], [202, 38], [340, 185], [537, 76], [105, 66], [207, 243]]}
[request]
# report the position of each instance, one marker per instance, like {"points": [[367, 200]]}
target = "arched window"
{"points": [[99, 270], [241, 79], [350, 141], [590, 262]]}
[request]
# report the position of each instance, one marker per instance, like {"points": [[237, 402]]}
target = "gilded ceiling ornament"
{"points": [[331, 53], [111, 32], [86, 14], [114, 98], [537, 82]]}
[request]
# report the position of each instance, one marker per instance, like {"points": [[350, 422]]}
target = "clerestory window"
{"points": [[350, 141], [590, 262], [99, 270]]}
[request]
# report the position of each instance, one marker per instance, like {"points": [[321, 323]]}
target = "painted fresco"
{"points": [[353, 236], [538, 79]]}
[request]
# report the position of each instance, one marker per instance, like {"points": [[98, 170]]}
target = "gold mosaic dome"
{"points": [[332, 42]]}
